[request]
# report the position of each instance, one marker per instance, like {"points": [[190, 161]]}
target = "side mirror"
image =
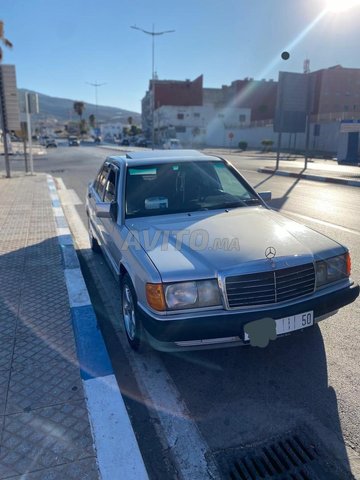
{"points": [[266, 196]]}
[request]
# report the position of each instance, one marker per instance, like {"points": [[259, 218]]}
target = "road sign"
{"points": [[294, 101], [33, 102], [231, 135], [349, 126], [9, 97]]}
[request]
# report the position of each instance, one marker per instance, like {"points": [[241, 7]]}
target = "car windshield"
{"points": [[180, 187]]}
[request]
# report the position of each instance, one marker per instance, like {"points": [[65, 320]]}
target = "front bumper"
{"points": [[230, 324]]}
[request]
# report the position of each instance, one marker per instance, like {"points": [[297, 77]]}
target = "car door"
{"points": [[96, 195], [109, 224]]}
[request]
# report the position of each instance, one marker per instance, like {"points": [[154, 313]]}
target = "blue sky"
{"points": [[61, 45]]}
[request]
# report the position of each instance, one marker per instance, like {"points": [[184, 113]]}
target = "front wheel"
{"points": [[132, 322]]}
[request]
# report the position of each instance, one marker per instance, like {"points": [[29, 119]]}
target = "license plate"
{"points": [[292, 323]]}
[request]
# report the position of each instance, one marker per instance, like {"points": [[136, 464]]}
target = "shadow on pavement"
{"points": [[243, 396], [278, 203], [44, 425]]}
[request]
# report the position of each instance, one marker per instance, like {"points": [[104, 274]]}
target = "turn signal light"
{"points": [[155, 296], [348, 264]]}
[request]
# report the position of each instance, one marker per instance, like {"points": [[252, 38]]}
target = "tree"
{"points": [[130, 120], [4, 40], [79, 108], [83, 126], [92, 122], [135, 130]]}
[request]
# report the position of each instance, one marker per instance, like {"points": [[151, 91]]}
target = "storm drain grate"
{"points": [[292, 457]]}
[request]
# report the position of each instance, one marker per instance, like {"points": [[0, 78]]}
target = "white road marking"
{"points": [[78, 229], [77, 291], [183, 438], [117, 457], [63, 231], [69, 197], [58, 212], [321, 222]]}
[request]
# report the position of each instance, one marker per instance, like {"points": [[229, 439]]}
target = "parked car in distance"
{"points": [[202, 260], [125, 142], [73, 141], [143, 143], [51, 143], [172, 144]]}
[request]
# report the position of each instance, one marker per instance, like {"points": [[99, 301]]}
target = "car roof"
{"points": [[160, 156]]}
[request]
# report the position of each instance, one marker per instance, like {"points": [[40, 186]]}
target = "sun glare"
{"points": [[341, 5]]}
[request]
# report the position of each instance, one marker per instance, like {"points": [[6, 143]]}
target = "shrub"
{"points": [[243, 145], [267, 144]]}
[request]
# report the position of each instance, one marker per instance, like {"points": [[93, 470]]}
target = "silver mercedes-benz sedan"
{"points": [[202, 260]]}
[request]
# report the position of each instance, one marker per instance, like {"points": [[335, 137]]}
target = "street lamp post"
{"points": [[96, 85], [153, 34]]}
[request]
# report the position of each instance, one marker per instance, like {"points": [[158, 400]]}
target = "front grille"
{"points": [[270, 287]]}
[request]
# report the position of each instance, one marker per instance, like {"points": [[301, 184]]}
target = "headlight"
{"points": [[332, 269], [204, 293]]}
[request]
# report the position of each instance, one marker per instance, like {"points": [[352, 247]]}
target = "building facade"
{"points": [[170, 92], [337, 94], [201, 125]]}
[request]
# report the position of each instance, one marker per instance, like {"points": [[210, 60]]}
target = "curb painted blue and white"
{"points": [[117, 451], [306, 176]]}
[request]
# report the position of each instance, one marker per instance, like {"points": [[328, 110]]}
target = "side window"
{"points": [[110, 189], [100, 184]]}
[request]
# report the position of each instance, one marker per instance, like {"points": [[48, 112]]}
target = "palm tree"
{"points": [[79, 108], [4, 40]]}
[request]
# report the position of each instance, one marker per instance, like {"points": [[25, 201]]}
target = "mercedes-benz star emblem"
{"points": [[270, 252]]}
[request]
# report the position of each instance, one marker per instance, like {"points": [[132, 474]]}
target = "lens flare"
{"points": [[341, 5]]}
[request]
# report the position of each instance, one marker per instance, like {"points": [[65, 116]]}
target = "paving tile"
{"points": [[44, 347], [7, 321], [82, 470], [6, 352], [44, 438], [4, 383], [52, 325], [34, 386]]}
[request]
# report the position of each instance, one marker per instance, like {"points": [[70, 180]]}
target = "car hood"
{"points": [[205, 244]]}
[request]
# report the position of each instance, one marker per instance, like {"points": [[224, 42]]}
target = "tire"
{"points": [[95, 247], [131, 316]]}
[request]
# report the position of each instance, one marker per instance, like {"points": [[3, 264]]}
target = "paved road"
{"points": [[239, 396]]}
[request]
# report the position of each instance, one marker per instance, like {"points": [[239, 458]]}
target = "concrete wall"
{"points": [[327, 141]]}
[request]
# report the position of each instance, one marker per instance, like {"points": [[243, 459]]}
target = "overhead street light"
{"points": [[153, 33], [96, 85]]}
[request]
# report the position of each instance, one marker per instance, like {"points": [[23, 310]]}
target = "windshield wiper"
{"points": [[238, 203], [252, 200]]}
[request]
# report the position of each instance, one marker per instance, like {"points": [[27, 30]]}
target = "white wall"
{"points": [[213, 125], [327, 141]]}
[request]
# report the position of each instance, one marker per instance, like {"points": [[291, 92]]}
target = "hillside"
{"points": [[61, 110]]}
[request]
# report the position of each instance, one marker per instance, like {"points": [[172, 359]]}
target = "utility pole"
{"points": [[3, 114], [153, 34], [4, 127]]}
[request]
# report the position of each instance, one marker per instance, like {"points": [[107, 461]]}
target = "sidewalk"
{"points": [[61, 412], [317, 170]]}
